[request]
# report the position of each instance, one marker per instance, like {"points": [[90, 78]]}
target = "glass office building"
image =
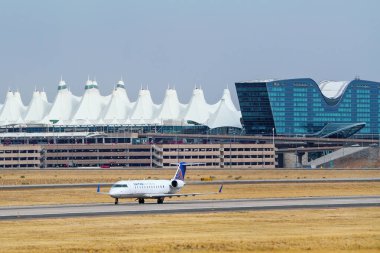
{"points": [[336, 109]]}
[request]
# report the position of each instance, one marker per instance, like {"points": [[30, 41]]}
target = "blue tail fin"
{"points": [[180, 174]]}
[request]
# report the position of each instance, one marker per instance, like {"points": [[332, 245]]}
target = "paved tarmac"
{"points": [[128, 207]]}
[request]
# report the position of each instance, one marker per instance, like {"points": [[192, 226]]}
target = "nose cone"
{"points": [[118, 192], [114, 192]]}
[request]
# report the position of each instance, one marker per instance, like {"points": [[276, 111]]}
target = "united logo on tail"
{"points": [[180, 175]]}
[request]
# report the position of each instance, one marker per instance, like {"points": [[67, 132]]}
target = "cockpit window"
{"points": [[119, 185]]}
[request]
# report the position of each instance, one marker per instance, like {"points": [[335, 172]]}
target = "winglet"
{"points": [[98, 190], [220, 189]]}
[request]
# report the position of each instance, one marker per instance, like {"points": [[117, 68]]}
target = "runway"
{"points": [[126, 207]]}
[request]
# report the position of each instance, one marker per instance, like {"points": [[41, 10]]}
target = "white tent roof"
{"points": [[116, 109], [64, 106], [119, 106], [227, 100], [91, 105], [62, 84], [13, 109], [38, 108], [197, 110], [171, 108], [144, 110], [224, 116]]}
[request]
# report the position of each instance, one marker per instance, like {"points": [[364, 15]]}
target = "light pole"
{"points": [[176, 137], [230, 153], [262, 156], [274, 155], [378, 145]]}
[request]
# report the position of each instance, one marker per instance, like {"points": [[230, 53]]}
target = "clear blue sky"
{"points": [[183, 43]]}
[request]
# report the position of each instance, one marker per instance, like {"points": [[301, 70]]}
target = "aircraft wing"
{"points": [[175, 195], [168, 195]]}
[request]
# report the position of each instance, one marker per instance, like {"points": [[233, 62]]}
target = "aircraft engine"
{"points": [[176, 183]]}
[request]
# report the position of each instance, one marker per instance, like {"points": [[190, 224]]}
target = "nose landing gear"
{"points": [[160, 200], [141, 201], [116, 201]]}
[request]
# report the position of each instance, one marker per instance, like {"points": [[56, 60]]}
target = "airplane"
{"points": [[152, 189]]}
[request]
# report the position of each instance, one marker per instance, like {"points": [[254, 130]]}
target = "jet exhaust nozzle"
{"points": [[174, 183], [177, 183]]}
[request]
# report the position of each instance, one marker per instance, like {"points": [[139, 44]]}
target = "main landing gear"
{"points": [[159, 200], [116, 201]]}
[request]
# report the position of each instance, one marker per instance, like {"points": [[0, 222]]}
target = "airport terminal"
{"points": [[282, 123], [336, 109], [189, 126]]}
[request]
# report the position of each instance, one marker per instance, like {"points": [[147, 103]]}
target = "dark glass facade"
{"points": [[298, 107]]}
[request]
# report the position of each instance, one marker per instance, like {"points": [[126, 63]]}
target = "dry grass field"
{"points": [[10, 177], [88, 195], [317, 231]]}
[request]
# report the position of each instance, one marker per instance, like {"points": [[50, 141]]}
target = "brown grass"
{"points": [[88, 195], [10, 177], [331, 230]]}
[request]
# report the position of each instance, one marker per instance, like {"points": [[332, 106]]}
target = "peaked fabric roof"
{"points": [[224, 116], [227, 100], [95, 109], [38, 108], [198, 110], [119, 107], [64, 106], [171, 109], [91, 105], [144, 109], [13, 110]]}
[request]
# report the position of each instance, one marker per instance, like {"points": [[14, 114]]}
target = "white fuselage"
{"points": [[143, 188]]}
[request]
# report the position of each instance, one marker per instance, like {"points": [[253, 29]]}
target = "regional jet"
{"points": [[152, 189]]}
